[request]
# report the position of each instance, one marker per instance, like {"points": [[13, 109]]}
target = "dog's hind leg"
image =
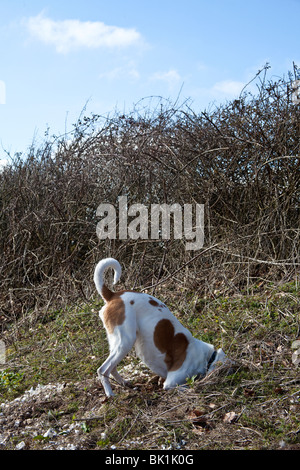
{"points": [[119, 378], [120, 349]]}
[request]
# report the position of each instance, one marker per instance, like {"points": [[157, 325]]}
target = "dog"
{"points": [[160, 340]]}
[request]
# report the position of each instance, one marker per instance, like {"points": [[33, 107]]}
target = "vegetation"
{"points": [[255, 405], [240, 291]]}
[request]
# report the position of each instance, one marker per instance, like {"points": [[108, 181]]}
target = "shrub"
{"points": [[241, 160]]}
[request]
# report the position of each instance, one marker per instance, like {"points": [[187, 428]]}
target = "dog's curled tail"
{"points": [[101, 287]]}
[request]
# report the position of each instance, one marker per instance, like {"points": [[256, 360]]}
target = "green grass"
{"points": [[65, 345]]}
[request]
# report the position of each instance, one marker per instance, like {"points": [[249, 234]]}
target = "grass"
{"points": [[254, 406]]}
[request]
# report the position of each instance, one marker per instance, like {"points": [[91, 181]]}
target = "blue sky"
{"points": [[58, 56]]}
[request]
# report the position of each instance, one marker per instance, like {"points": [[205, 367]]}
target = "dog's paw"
{"points": [[107, 398], [128, 383]]}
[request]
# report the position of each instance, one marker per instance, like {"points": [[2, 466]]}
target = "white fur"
{"points": [[137, 330], [101, 267]]}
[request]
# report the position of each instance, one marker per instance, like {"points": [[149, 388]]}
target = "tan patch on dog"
{"points": [[114, 313], [106, 293], [174, 346], [156, 304]]}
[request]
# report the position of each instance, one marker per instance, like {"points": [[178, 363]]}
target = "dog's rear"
{"points": [[120, 340], [160, 340]]}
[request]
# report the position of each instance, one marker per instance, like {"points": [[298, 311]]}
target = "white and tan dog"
{"points": [[161, 342]]}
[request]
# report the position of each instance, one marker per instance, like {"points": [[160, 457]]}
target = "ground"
{"points": [[50, 397]]}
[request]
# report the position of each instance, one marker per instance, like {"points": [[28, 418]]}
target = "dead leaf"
{"points": [[212, 406], [104, 400], [230, 417], [197, 412], [194, 416], [199, 420], [198, 430]]}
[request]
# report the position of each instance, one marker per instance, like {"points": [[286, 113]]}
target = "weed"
{"points": [[10, 382]]}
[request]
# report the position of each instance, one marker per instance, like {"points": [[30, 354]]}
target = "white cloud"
{"points": [[202, 67], [229, 88], [172, 77], [3, 163], [68, 35], [123, 71]]}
